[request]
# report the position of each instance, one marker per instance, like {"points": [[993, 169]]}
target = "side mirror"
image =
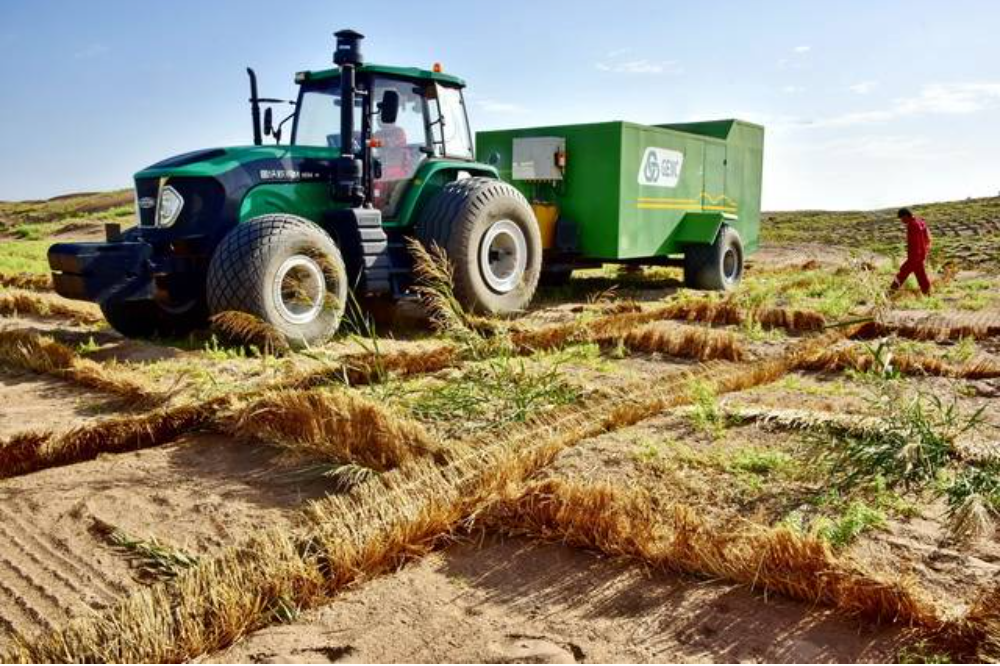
{"points": [[268, 122], [388, 108]]}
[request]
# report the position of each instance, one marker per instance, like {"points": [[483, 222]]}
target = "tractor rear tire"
{"points": [[490, 234], [715, 267], [285, 270], [145, 319]]}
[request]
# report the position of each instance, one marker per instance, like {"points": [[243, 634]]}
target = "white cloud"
{"points": [[791, 90], [852, 119], [496, 106], [797, 60], [873, 169], [640, 66], [863, 87], [953, 98], [617, 53], [876, 147], [933, 99], [91, 51]]}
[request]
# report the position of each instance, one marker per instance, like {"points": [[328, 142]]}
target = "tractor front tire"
{"points": [[715, 267], [284, 270], [145, 319], [491, 237]]}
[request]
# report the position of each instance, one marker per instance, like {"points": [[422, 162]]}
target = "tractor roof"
{"points": [[370, 68]]}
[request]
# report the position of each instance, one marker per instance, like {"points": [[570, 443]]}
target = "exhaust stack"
{"points": [[348, 57], [348, 48]]}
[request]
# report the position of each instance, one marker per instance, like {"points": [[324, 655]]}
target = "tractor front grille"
{"points": [[146, 192]]}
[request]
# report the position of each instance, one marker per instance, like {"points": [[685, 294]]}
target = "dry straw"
{"points": [[31, 452], [792, 320], [859, 358], [434, 278], [600, 329], [618, 324], [685, 341], [938, 328], [374, 366], [980, 635], [19, 452], [14, 303], [241, 328], [800, 419], [624, 523], [27, 350], [381, 524], [721, 313], [402, 513], [336, 426], [30, 281]]}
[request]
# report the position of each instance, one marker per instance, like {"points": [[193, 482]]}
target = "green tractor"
{"points": [[377, 155]]}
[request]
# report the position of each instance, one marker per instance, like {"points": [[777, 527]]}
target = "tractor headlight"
{"points": [[169, 207]]}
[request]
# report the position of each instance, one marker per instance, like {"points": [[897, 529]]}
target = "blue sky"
{"points": [[866, 104]]}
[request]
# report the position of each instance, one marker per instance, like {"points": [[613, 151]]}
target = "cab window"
{"points": [[317, 119], [450, 125], [399, 147]]}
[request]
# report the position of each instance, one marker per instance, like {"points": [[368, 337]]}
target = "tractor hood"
{"points": [[259, 163], [212, 184]]}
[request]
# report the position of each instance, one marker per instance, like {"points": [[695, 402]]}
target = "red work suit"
{"points": [[918, 245]]}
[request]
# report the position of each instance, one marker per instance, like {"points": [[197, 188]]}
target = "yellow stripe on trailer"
{"points": [[721, 198], [655, 205], [664, 206], [666, 200]]}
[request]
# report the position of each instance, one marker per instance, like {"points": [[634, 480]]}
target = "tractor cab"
{"points": [[400, 118]]}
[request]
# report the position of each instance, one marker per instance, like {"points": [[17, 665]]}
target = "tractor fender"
{"points": [[428, 181], [310, 200]]}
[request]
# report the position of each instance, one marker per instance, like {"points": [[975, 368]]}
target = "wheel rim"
{"points": [[299, 289], [730, 265], [503, 256]]}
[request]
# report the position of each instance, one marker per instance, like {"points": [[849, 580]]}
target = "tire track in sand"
{"points": [[43, 583]]}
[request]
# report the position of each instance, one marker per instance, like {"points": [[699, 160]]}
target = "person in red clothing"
{"points": [[918, 245]]}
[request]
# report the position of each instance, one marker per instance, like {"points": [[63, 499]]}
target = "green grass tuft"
{"points": [[487, 396], [762, 462], [856, 519], [705, 414]]}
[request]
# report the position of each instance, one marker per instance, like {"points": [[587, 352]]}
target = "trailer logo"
{"points": [[660, 167]]}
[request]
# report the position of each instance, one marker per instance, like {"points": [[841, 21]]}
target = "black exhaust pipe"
{"points": [[255, 108], [348, 48], [348, 57]]}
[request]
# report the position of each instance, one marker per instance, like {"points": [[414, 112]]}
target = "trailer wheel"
{"points": [[491, 236], [286, 271], [718, 266], [144, 319]]}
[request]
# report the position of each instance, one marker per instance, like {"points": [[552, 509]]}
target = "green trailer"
{"points": [[646, 194]]}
